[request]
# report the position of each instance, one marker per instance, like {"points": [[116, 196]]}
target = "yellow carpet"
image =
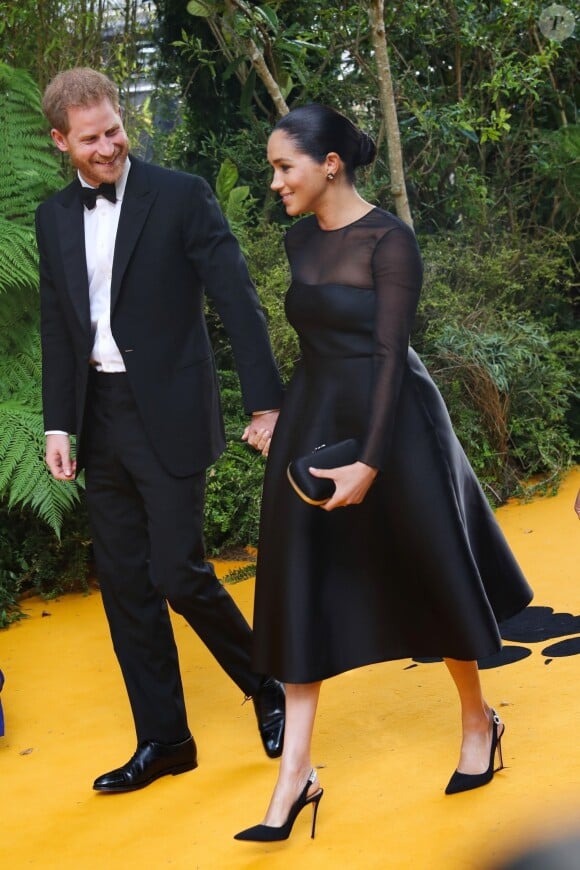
{"points": [[387, 740]]}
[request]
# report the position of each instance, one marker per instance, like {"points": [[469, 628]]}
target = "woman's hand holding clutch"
{"points": [[352, 483]]}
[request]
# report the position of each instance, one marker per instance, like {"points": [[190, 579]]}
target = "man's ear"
{"points": [[59, 139]]}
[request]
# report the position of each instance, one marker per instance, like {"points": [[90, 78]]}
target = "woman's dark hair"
{"points": [[317, 130]]}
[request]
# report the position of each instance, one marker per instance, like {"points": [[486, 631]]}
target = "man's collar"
{"points": [[119, 185]]}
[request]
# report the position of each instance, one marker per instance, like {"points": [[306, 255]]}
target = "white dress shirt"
{"points": [[101, 224]]}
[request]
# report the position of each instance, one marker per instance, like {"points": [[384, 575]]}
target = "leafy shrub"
{"points": [[269, 268], [233, 495], [566, 346], [508, 395], [508, 376], [33, 559], [234, 482], [466, 271]]}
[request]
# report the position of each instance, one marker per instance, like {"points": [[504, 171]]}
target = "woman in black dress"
{"points": [[406, 558]]}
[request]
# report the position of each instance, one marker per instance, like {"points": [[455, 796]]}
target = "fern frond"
{"points": [[24, 141], [20, 355], [19, 321], [21, 380], [24, 478], [23, 473], [20, 377], [18, 255], [29, 172], [12, 449]]}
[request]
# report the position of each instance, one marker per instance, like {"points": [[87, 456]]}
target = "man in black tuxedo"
{"points": [[127, 252]]}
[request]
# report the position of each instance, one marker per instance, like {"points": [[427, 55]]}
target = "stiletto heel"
{"points": [[499, 752], [466, 781], [315, 802], [269, 834]]}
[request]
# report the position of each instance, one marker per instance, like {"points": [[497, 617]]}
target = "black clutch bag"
{"points": [[317, 490]]}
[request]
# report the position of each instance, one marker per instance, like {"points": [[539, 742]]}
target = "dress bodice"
{"points": [[332, 319], [354, 293]]}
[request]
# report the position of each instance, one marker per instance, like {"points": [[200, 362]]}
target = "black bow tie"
{"points": [[89, 194]]}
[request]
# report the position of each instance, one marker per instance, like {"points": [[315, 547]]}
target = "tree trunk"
{"points": [[387, 97], [259, 63]]}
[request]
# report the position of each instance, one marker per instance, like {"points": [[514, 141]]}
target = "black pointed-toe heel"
{"points": [[269, 834], [466, 781]]}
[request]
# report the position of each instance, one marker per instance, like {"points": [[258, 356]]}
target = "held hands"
{"points": [[260, 430], [352, 483], [58, 457]]}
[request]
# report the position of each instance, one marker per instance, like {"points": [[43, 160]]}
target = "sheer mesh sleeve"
{"points": [[397, 275]]}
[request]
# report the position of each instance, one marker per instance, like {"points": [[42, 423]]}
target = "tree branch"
{"points": [[387, 98]]}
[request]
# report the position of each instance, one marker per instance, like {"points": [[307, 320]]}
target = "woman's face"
{"points": [[298, 179]]}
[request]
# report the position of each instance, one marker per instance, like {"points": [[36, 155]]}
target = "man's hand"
{"points": [[58, 457], [259, 433]]}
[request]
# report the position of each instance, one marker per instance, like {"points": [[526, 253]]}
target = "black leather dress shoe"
{"points": [[270, 706], [150, 761]]}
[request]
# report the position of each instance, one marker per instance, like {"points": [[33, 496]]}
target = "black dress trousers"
{"points": [[147, 529]]}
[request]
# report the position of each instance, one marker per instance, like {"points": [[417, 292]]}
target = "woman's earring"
{"points": [[330, 176]]}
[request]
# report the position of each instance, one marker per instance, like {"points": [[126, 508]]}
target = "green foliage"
{"points": [[18, 267], [46, 36], [269, 268], [520, 390], [557, 157], [508, 384], [234, 486], [12, 568], [24, 477], [234, 200], [28, 172], [566, 345], [198, 7], [33, 560], [465, 270], [246, 149], [237, 575], [28, 168], [234, 482], [479, 94], [239, 27]]}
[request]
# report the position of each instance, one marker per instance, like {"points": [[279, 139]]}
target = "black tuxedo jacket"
{"points": [[172, 245]]}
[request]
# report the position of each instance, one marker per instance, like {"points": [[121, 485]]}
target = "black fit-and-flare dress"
{"points": [[421, 567]]}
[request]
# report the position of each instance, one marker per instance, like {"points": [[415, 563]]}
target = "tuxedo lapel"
{"points": [[71, 235], [137, 202]]}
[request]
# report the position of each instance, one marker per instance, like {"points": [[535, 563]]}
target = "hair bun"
{"points": [[366, 150]]}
